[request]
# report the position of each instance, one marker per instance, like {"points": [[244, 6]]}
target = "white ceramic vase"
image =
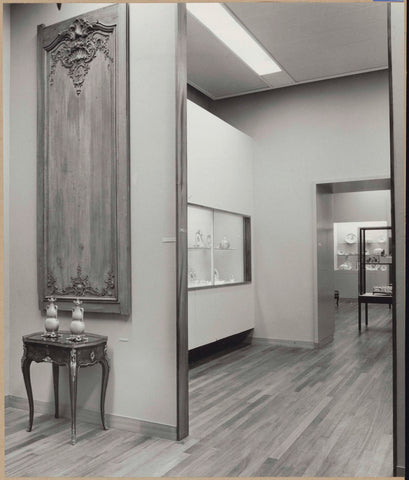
{"points": [[51, 323], [77, 326]]}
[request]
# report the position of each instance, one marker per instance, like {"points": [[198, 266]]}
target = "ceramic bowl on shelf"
{"points": [[345, 266], [341, 252], [350, 238]]}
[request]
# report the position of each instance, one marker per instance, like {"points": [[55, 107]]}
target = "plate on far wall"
{"points": [[350, 238]]}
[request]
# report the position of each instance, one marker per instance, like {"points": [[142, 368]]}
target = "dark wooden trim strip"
{"points": [[247, 249], [182, 426], [393, 243], [40, 165]]}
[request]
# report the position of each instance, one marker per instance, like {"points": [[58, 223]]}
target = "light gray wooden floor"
{"points": [[256, 411]]}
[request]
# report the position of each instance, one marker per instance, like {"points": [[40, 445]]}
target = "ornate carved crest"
{"points": [[76, 47], [80, 285]]}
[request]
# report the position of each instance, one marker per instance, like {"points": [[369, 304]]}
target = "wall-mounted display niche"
{"points": [[219, 248], [346, 246], [83, 162]]}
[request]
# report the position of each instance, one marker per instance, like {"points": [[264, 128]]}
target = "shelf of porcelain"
{"points": [[199, 283], [366, 255]]}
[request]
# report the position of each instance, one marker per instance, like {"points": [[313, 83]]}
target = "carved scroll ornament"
{"points": [[80, 285], [76, 47]]}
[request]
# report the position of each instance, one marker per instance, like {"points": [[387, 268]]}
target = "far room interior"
{"points": [[224, 239]]}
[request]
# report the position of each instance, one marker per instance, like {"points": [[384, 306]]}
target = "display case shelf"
{"points": [[216, 231]]}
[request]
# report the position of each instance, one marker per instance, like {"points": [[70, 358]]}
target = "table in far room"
{"points": [[367, 298]]}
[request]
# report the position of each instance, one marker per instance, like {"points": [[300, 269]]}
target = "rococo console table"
{"points": [[61, 351]]}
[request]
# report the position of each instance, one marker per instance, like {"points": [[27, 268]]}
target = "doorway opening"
{"points": [[341, 208], [305, 355]]}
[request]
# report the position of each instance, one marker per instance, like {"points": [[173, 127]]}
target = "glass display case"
{"points": [[375, 265], [219, 248], [346, 244], [375, 260]]}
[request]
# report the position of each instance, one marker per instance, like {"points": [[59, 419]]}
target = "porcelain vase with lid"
{"points": [[51, 323], [77, 326]]}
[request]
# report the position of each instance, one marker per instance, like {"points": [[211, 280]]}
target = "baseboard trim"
{"points": [[400, 471], [283, 343], [134, 425], [324, 341]]}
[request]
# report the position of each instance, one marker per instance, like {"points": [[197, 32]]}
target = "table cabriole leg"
{"points": [[25, 367], [73, 377], [105, 374], [56, 375], [366, 313]]}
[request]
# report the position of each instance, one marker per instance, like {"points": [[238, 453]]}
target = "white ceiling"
{"points": [[310, 41]]}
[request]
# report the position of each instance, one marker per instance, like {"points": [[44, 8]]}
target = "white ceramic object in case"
{"points": [[350, 238]]}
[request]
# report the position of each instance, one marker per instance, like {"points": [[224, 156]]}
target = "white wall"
{"points": [[144, 367], [6, 176], [220, 175], [319, 132], [362, 206]]}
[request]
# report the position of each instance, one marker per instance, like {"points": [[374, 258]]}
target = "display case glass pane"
{"points": [[228, 248], [218, 248], [200, 240], [377, 261]]}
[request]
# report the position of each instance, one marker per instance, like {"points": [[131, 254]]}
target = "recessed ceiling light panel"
{"points": [[221, 23]]}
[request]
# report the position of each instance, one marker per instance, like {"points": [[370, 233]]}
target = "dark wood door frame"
{"points": [[182, 347], [393, 245]]}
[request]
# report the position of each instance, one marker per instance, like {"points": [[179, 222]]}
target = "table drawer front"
{"points": [[90, 355], [47, 353]]}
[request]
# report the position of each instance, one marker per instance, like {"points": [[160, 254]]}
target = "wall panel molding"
{"points": [[83, 205]]}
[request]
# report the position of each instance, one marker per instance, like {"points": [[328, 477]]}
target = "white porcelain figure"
{"points": [[225, 243], [51, 323], [77, 326]]}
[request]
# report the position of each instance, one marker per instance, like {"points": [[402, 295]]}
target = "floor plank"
{"points": [[258, 410]]}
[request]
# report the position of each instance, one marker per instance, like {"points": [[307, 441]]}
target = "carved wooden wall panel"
{"points": [[83, 162]]}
